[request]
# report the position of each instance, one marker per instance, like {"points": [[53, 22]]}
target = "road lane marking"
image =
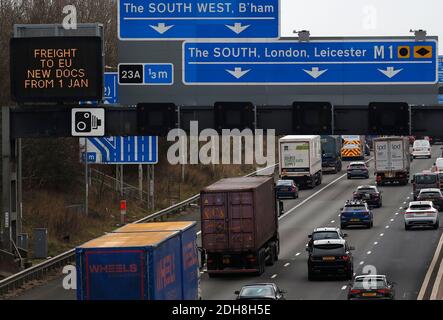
{"points": [[316, 193], [297, 254], [430, 270], [397, 213], [375, 243], [362, 263], [387, 227], [274, 276], [392, 220], [344, 287], [333, 221], [369, 252], [287, 265], [382, 234]]}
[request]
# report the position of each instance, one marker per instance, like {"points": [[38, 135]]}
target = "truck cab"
{"points": [[331, 154]]}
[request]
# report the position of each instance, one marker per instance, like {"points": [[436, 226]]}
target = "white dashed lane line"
{"points": [[362, 263], [369, 252], [387, 227], [382, 234], [287, 265], [392, 220], [375, 243], [344, 287], [297, 254], [274, 276]]}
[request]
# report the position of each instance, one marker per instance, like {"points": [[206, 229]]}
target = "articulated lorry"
{"points": [[301, 160], [392, 160], [353, 147], [140, 262], [331, 154], [239, 224]]}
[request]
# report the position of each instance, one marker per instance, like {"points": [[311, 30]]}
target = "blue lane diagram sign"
{"points": [[111, 88], [122, 150], [310, 63], [440, 69], [198, 19]]}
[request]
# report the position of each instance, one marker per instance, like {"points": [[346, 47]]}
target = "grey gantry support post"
{"points": [[11, 215]]}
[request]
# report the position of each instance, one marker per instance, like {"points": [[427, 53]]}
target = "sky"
{"points": [[362, 17]]}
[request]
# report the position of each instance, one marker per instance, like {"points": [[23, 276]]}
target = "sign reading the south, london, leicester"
{"points": [[56, 69], [310, 63], [198, 19]]}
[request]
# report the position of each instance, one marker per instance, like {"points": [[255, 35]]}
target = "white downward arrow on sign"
{"points": [[237, 27], [390, 72], [238, 72], [315, 72], [161, 28]]}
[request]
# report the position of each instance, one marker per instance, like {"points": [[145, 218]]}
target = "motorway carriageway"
{"points": [[404, 256]]}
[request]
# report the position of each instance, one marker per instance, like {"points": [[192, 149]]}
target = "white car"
{"points": [[439, 164], [421, 148], [421, 213]]}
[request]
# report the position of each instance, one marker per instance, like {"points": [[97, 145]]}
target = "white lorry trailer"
{"points": [[300, 159], [392, 160]]}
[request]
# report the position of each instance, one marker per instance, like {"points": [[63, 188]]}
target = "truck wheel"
{"points": [[261, 262], [272, 252]]}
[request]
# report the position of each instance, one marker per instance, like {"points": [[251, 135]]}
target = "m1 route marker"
{"points": [[197, 19], [363, 62]]}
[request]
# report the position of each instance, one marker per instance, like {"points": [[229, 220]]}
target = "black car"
{"points": [[330, 257], [370, 194], [433, 195], [286, 189], [371, 287], [260, 291]]}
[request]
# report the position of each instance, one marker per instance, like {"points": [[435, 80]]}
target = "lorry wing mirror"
{"points": [[310, 236], [236, 292], [345, 235]]}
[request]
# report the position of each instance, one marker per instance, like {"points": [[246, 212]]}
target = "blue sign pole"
{"points": [[196, 19], [310, 63]]}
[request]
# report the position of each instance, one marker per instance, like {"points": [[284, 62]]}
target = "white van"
{"points": [[421, 148]]}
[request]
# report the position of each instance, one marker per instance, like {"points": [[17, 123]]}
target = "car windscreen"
{"points": [[420, 207], [367, 190], [354, 208], [357, 166], [328, 249], [429, 194], [421, 143], [258, 291], [325, 235], [284, 183], [426, 179], [440, 176], [369, 283]]}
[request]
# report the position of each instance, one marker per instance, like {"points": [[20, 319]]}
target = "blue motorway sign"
{"points": [[310, 63], [111, 87], [122, 150], [440, 69], [197, 19]]}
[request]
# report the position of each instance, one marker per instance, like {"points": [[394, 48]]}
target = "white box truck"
{"points": [[392, 160], [300, 159]]}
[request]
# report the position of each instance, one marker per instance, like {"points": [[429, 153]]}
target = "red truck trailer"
{"points": [[239, 225]]}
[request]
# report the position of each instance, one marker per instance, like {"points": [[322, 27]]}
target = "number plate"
{"points": [[355, 220], [328, 258], [369, 294]]}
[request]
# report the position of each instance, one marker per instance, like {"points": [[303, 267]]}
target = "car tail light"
{"points": [[355, 291], [345, 258], [383, 291], [292, 188]]}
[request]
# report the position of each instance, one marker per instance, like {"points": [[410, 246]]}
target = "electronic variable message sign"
{"points": [[56, 69]]}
